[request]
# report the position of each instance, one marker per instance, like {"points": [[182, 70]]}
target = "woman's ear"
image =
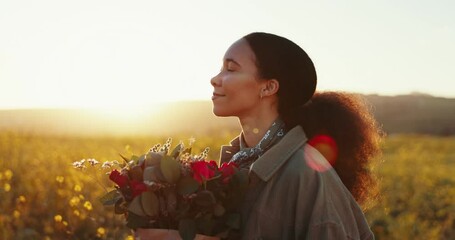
{"points": [[271, 87]]}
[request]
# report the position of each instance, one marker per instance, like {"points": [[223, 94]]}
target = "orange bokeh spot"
{"points": [[327, 146]]}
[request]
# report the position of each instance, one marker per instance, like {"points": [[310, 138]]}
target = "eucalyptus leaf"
{"points": [[170, 169], [150, 174], [153, 158], [136, 206], [154, 174], [141, 159], [159, 174], [187, 229], [187, 185], [150, 203], [110, 198]]}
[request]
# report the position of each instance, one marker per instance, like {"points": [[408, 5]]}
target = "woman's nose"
{"points": [[215, 81]]}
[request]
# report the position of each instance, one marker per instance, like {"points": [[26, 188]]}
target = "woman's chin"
{"points": [[220, 113]]}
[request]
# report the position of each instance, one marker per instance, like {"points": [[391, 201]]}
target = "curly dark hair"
{"points": [[345, 117], [348, 120]]}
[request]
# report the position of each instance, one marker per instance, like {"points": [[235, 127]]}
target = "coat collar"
{"points": [[228, 151], [267, 165]]}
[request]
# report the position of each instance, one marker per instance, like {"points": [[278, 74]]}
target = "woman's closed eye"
{"points": [[230, 65], [227, 68]]}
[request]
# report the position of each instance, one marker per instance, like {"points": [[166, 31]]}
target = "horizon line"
{"points": [[161, 103]]}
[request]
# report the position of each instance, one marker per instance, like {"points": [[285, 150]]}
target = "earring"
{"points": [[260, 94]]}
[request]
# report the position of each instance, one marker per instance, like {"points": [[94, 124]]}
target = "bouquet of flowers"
{"points": [[164, 189]]}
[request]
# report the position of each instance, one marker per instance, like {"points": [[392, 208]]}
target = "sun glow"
{"points": [[65, 54], [128, 114]]}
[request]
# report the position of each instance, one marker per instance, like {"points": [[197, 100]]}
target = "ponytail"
{"points": [[347, 120], [343, 117]]}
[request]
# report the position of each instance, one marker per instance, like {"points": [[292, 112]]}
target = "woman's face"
{"points": [[236, 87]]}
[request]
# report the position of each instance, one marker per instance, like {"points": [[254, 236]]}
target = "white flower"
{"points": [[79, 164], [106, 165], [93, 161]]}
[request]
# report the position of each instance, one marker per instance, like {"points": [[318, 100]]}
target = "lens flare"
{"points": [[325, 156]]}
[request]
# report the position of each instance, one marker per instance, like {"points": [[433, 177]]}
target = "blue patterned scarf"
{"points": [[246, 156]]}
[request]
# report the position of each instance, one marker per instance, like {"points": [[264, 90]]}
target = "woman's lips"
{"points": [[217, 95]]}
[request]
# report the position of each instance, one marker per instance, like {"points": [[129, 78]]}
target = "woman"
{"points": [[269, 83]]}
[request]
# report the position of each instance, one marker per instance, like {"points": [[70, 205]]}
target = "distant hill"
{"points": [[175, 118], [416, 113]]}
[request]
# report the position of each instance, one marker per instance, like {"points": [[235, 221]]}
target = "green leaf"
{"points": [[171, 200], [187, 229], [110, 198], [187, 150], [205, 199], [219, 210], [205, 224], [134, 221], [182, 209], [237, 189], [187, 185], [240, 178], [134, 158], [120, 207], [125, 159], [150, 203], [176, 151], [170, 169], [233, 220]]}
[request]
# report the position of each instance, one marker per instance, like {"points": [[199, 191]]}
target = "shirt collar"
{"points": [[269, 163]]}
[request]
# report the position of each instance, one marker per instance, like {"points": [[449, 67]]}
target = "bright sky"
{"points": [[91, 53]]}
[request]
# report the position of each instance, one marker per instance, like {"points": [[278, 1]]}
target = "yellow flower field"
{"points": [[42, 196]]}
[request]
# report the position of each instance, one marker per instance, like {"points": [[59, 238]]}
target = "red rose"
{"points": [[227, 170], [203, 170], [137, 187], [120, 179]]}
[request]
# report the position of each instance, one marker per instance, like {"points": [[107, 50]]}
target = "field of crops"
{"points": [[43, 197]]}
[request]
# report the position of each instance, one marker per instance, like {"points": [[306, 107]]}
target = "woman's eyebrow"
{"points": [[227, 60]]}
